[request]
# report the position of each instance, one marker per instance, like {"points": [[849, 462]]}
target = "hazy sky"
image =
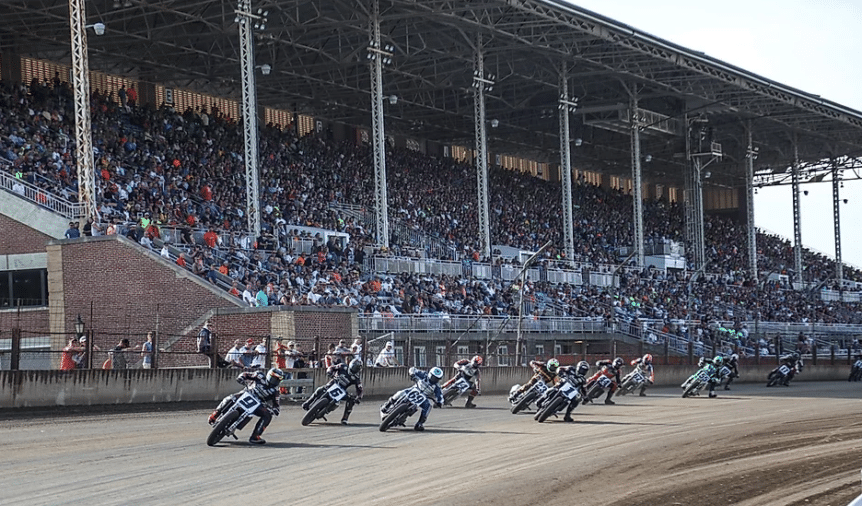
{"points": [[812, 45]]}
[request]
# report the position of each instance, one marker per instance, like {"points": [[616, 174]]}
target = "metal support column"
{"points": [[83, 127], [566, 167], [694, 202], [797, 220], [479, 83], [381, 204], [637, 183], [836, 219], [249, 117], [750, 156]]}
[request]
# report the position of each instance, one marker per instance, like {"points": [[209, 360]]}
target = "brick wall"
{"points": [[18, 238], [32, 322]]}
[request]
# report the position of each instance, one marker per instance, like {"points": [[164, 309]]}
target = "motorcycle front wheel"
{"points": [[394, 416], [450, 395], [551, 408], [524, 402], [219, 431], [317, 410], [691, 389]]}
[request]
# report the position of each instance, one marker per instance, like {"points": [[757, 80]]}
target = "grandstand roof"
{"points": [[318, 49]]}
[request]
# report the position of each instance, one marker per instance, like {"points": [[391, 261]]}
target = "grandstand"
{"points": [[647, 249]]}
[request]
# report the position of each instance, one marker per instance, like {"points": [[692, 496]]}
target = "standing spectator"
{"points": [[118, 354], [234, 355], [259, 361], [73, 232], [205, 342], [211, 238], [386, 358], [132, 96], [248, 296], [330, 358], [280, 353], [248, 353], [72, 350], [356, 348], [147, 352], [342, 352], [122, 94]]}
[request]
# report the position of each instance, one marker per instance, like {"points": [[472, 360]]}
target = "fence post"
{"points": [[814, 353], [155, 352], [666, 351], [15, 359], [778, 351], [690, 352], [91, 336], [757, 354]]}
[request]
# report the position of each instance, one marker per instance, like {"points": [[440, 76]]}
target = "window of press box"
{"points": [[24, 288]]}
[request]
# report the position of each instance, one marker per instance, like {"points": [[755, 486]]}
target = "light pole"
{"points": [[523, 277]]}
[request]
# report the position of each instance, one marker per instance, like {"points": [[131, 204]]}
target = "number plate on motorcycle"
{"points": [[416, 397], [703, 377], [462, 384], [569, 390], [604, 382], [637, 377], [336, 392], [784, 370]]}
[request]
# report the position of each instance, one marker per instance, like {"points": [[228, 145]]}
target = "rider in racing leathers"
{"points": [[345, 375], [610, 369], [644, 365], [428, 383], [732, 363], [266, 389], [793, 360], [469, 370], [577, 375], [545, 371]]}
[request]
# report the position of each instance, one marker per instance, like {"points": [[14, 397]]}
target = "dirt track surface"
{"points": [[750, 446]]}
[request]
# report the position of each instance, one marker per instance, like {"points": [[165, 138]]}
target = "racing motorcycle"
{"points": [[697, 381], [558, 399], [326, 404], [455, 390], [631, 382], [524, 400], [235, 417], [602, 384], [405, 405], [856, 371], [779, 376]]}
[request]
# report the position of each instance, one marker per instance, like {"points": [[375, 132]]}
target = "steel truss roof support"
{"points": [[797, 221], [750, 156], [480, 82], [566, 166], [83, 127], [694, 200], [836, 218], [249, 117], [637, 184], [381, 204]]}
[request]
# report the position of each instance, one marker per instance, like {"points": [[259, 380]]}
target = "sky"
{"points": [[811, 45]]}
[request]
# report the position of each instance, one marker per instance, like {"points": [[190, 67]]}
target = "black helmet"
{"points": [[274, 376], [583, 367], [354, 366], [618, 362]]}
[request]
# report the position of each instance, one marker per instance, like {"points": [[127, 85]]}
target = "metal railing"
{"points": [[449, 323], [41, 197]]}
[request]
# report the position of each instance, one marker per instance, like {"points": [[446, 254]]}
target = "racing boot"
{"points": [[608, 398], [643, 391], [469, 402], [420, 424], [255, 434], [712, 393], [568, 417], [256, 440]]}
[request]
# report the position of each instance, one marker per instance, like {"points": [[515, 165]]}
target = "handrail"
{"points": [[42, 197]]}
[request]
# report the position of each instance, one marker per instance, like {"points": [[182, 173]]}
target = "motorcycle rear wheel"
{"points": [[524, 402], [551, 408], [394, 416], [774, 379], [317, 410], [219, 431], [450, 395]]}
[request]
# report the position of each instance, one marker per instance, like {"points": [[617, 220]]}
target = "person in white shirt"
{"points": [[259, 361], [234, 355], [386, 358]]}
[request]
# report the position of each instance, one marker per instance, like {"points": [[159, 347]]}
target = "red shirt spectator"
{"points": [[181, 260], [207, 193], [210, 238], [190, 219], [67, 361]]}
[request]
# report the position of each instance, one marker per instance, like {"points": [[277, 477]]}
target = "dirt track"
{"points": [[751, 446]]}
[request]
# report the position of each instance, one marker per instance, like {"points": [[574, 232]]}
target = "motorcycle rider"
{"points": [[266, 389], [345, 375], [793, 360], [469, 370], [428, 382], [611, 369], [732, 363], [577, 375], [644, 365], [715, 379], [546, 371]]}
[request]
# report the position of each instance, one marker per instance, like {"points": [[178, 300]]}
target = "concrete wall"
{"points": [[25, 389]]}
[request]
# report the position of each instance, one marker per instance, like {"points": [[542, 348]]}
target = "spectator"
{"points": [[259, 361], [147, 352], [386, 357], [70, 352], [234, 355], [118, 355], [73, 232]]}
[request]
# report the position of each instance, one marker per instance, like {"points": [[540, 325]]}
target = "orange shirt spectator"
{"points": [[190, 219], [211, 238], [67, 359], [181, 260], [224, 270]]}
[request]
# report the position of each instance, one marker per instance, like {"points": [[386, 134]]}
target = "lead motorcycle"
{"points": [[779, 376], [856, 371], [697, 381], [524, 400], [327, 403], [235, 418], [558, 399]]}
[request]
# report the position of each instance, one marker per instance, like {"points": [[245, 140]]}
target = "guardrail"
{"points": [[449, 323], [41, 197]]}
